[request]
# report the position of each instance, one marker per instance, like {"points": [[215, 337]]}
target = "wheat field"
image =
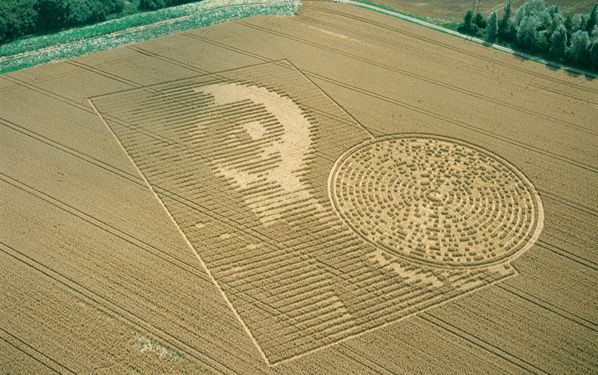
{"points": [[334, 192]]}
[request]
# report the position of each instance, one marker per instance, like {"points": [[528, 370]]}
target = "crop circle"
{"points": [[436, 201]]}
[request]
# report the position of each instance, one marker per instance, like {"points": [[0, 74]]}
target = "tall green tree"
{"points": [[492, 28], [576, 23], [468, 26], [592, 18], [17, 18], [81, 12], [527, 32], [554, 18], [528, 9], [480, 21], [558, 46], [505, 26], [593, 49], [52, 14], [152, 4], [580, 43], [114, 6]]}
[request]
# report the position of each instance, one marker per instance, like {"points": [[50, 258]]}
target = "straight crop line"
{"points": [[100, 72], [444, 30], [413, 35], [20, 342], [459, 123], [368, 131], [446, 326], [189, 244], [569, 203], [120, 312], [548, 306], [575, 258], [456, 122], [132, 240], [420, 77], [430, 55]]}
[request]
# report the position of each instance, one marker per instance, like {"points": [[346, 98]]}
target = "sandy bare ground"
{"points": [[98, 278]]}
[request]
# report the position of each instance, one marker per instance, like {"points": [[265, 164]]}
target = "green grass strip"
{"points": [[71, 43]]}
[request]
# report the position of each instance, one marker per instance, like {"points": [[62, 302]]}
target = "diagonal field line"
{"points": [[155, 192], [205, 267]]}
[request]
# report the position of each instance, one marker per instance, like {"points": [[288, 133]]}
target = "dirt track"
{"points": [[101, 279]]}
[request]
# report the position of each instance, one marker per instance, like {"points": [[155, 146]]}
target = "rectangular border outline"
{"points": [[195, 252]]}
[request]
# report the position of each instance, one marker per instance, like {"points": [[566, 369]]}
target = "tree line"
{"points": [[157, 4], [24, 17], [541, 29]]}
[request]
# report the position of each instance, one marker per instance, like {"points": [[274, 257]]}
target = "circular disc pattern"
{"points": [[436, 201]]}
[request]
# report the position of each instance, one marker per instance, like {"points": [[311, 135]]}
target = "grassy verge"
{"points": [[138, 27]]}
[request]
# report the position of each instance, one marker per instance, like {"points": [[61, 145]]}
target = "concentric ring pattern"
{"points": [[436, 201]]}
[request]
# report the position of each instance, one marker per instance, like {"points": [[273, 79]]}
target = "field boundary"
{"points": [[394, 13]]}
